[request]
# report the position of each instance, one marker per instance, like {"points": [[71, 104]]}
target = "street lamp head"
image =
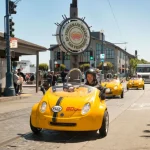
{"points": [[102, 31]]}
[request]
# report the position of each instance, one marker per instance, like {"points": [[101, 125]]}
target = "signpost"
{"points": [[13, 43], [102, 57]]}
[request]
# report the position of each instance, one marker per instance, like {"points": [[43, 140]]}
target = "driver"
{"points": [[91, 79]]}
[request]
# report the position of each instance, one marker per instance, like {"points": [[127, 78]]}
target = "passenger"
{"points": [[91, 79]]}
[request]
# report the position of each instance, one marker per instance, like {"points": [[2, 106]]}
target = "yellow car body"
{"points": [[66, 111], [135, 83], [115, 86]]}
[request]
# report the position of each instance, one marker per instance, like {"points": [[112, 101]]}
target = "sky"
{"points": [[128, 22]]}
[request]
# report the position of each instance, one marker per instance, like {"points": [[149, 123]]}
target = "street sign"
{"points": [[102, 60], [102, 56], [13, 43]]}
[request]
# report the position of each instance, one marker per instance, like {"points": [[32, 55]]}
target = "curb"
{"points": [[6, 99]]}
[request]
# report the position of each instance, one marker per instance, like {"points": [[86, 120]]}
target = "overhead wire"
{"points": [[115, 18]]}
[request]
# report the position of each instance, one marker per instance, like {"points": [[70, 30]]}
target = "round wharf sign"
{"points": [[73, 35]]}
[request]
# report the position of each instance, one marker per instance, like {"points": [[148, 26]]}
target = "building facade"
{"points": [[24, 48], [26, 66], [114, 54]]}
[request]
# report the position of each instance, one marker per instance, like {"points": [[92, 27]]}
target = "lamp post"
{"points": [[102, 50], [55, 63], [9, 89]]}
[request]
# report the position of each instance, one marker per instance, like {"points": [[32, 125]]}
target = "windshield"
{"points": [[135, 78], [111, 80], [73, 86], [143, 69], [74, 77]]}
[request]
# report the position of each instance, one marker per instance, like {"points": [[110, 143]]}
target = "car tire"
{"points": [[103, 131], [122, 95], [34, 129], [127, 88]]}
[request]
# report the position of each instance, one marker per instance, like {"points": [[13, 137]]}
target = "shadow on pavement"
{"points": [[146, 131], [61, 137]]}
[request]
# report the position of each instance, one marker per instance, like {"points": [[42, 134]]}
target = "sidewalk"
{"points": [[27, 92]]}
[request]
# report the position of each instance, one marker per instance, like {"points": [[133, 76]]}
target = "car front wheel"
{"points": [[105, 125], [34, 129]]}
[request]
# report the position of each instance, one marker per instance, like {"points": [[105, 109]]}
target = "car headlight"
{"points": [[130, 83], [43, 107], [116, 87], [139, 83], [107, 90], [86, 109]]}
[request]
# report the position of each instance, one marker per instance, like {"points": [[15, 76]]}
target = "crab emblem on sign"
{"points": [[73, 35]]}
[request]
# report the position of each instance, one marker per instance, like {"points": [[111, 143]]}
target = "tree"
{"points": [[62, 66], [43, 66], [108, 66], [84, 67], [32, 65], [143, 61], [133, 64]]}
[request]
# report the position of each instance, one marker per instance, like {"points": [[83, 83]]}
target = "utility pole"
{"points": [[102, 52], [9, 89], [74, 14]]}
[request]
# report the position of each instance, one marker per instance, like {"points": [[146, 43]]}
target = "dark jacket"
{"points": [[22, 75]]}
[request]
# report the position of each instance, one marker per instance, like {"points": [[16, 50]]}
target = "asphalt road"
{"points": [[129, 127]]}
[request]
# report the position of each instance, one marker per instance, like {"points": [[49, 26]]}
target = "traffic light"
{"points": [[91, 55], [12, 7], [11, 28], [58, 55]]}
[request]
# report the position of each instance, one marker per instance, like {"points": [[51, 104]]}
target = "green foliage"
{"points": [[133, 64], [107, 67], [84, 67], [43, 66], [62, 66], [32, 65]]}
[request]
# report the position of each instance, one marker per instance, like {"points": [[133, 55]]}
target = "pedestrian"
{"points": [[54, 79], [24, 79], [49, 78], [83, 76], [16, 82], [63, 75]]}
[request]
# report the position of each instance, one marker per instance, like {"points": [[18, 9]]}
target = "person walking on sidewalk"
{"points": [[49, 78], [16, 82], [23, 76]]}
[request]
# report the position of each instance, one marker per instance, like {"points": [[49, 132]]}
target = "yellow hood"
{"points": [[71, 103]]}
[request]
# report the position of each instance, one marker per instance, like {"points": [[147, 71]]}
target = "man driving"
{"points": [[91, 79]]}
